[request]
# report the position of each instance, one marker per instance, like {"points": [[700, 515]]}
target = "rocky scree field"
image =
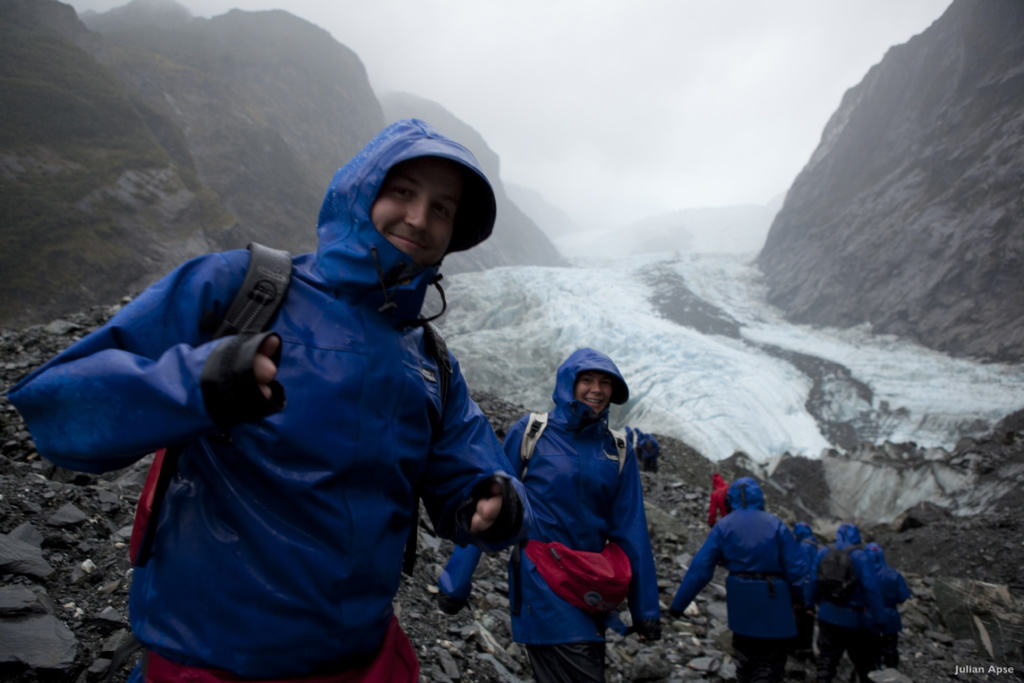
{"points": [[65, 574]]}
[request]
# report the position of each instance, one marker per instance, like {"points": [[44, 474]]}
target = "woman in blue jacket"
{"points": [[766, 571], [895, 591], [582, 498], [278, 547]]}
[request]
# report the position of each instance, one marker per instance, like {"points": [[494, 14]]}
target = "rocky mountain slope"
{"points": [[146, 136], [909, 215], [65, 575]]}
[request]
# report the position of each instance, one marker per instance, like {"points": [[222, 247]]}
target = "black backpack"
{"points": [[836, 579]]}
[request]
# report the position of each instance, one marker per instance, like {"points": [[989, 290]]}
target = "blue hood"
{"points": [[353, 258], [744, 493], [802, 530], [847, 535], [875, 556], [579, 361]]}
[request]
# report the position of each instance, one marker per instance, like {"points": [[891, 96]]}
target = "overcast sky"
{"points": [[616, 110]]}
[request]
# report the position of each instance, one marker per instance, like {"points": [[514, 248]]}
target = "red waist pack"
{"points": [[594, 582]]}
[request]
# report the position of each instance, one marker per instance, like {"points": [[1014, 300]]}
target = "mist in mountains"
{"points": [[144, 136]]}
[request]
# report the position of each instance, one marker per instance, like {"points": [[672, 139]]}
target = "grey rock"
{"points": [[986, 612], [67, 515], [37, 641], [18, 557], [19, 601], [650, 665], [27, 532], [889, 676]]}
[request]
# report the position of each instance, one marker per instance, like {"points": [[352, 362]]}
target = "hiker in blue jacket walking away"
{"points": [[894, 591], [584, 488], [278, 547], [766, 572], [803, 612], [849, 619], [646, 448]]}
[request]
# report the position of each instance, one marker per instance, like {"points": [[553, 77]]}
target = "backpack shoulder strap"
{"points": [[620, 446], [254, 306], [261, 294], [438, 350], [534, 428]]}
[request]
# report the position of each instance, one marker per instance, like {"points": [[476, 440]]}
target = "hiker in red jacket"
{"points": [[719, 506]]}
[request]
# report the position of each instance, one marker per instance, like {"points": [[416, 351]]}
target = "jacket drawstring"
{"points": [[436, 282], [388, 304]]}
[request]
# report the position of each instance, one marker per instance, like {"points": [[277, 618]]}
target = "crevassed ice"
{"points": [[511, 327]]}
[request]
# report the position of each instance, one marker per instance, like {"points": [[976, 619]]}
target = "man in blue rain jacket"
{"points": [[766, 571], [849, 626], [278, 548], [894, 591], [579, 498]]}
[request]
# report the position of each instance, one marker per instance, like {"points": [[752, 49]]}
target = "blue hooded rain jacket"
{"points": [[764, 561], [278, 548], [578, 498], [893, 587], [808, 546], [865, 607]]}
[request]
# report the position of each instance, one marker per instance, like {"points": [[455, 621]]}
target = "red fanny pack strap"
{"points": [[395, 662], [594, 582], [157, 479]]}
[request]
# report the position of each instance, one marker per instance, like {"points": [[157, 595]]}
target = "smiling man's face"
{"points": [[594, 389], [415, 207]]}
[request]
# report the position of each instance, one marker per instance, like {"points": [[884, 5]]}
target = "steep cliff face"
{"points": [[269, 106], [909, 216], [92, 202], [146, 136]]}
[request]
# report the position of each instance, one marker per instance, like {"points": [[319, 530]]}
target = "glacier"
{"points": [[511, 327]]}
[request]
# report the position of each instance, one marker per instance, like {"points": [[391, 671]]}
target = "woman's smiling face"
{"points": [[594, 389]]}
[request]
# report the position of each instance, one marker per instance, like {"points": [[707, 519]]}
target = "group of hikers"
{"points": [[780, 580], [300, 411]]}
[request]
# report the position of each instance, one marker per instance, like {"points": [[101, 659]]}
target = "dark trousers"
{"points": [[759, 660], [567, 662], [833, 641], [804, 640], [889, 650]]}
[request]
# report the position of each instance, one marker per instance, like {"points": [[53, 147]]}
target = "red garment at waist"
{"points": [[395, 663]]}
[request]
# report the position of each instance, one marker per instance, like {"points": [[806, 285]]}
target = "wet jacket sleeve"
{"points": [[464, 459], [701, 569], [629, 530], [134, 385], [794, 561], [893, 586]]}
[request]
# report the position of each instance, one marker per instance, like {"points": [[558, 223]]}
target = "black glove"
{"points": [[450, 605], [509, 520], [230, 392], [649, 629]]}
